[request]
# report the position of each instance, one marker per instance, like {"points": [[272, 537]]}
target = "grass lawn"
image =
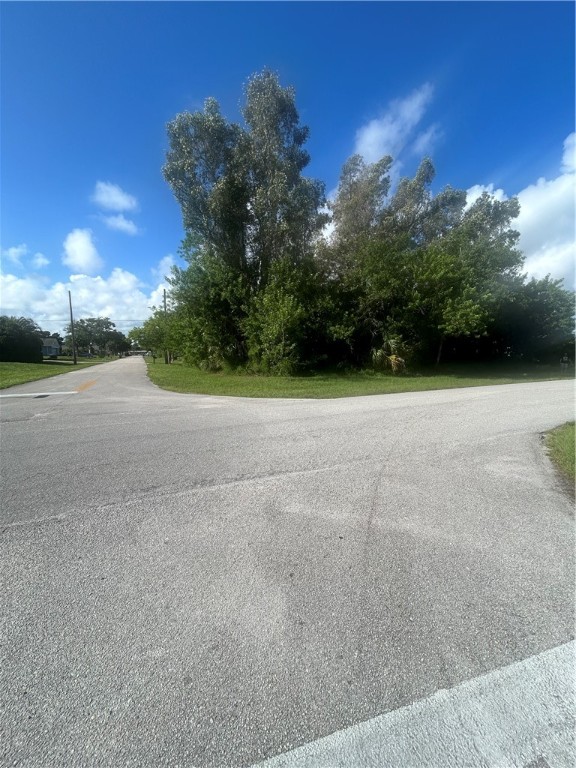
{"points": [[20, 373], [182, 378], [560, 443]]}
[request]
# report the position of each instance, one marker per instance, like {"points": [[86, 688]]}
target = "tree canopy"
{"points": [[96, 335], [241, 190], [20, 340]]}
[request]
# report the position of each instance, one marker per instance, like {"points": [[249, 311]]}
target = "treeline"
{"points": [[408, 275], [21, 339], [96, 336]]}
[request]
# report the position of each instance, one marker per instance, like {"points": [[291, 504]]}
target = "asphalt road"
{"points": [[197, 581]]}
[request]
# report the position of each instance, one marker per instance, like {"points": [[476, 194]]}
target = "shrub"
{"points": [[20, 340]]}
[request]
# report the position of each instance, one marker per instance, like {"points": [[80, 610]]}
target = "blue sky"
{"points": [[486, 89]]}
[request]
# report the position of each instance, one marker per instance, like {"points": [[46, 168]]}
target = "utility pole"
{"points": [[72, 329], [165, 350]]}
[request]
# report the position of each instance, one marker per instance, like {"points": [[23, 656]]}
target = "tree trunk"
{"points": [[438, 356]]}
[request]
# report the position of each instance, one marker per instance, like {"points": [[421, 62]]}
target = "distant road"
{"points": [[204, 582]]}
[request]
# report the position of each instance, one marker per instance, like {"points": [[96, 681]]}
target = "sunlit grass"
{"points": [[560, 442], [182, 378], [19, 373]]}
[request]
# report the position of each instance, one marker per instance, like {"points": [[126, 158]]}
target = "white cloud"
{"points": [[15, 253], [546, 222], [164, 268], [121, 223], [19, 295], [39, 261], [546, 225], [80, 253], [391, 133], [121, 296], [554, 260], [478, 190], [113, 198]]}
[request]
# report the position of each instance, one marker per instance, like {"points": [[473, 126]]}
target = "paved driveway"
{"points": [[197, 581]]}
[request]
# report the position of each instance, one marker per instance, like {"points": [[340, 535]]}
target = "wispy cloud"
{"points": [[39, 261], [121, 224], [391, 133], [16, 253], [80, 253], [569, 155], [111, 197], [425, 141]]}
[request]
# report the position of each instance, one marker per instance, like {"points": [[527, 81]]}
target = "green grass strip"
{"points": [[20, 373], [560, 443], [182, 378]]}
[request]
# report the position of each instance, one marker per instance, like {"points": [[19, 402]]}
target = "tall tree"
{"points": [[205, 168], [284, 207], [117, 342], [245, 206], [92, 334], [487, 240], [241, 190], [359, 201]]}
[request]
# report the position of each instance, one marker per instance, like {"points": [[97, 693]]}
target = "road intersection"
{"points": [[202, 581]]}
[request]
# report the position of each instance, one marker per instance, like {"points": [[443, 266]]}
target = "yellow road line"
{"points": [[85, 386]]}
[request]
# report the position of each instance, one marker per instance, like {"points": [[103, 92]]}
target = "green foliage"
{"points": [[245, 207], [263, 289], [390, 356], [426, 269], [283, 205], [536, 319], [96, 335], [20, 340], [162, 334], [211, 297], [117, 342], [360, 198], [445, 299], [205, 167], [150, 335], [244, 201], [560, 443], [416, 215], [274, 323]]}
